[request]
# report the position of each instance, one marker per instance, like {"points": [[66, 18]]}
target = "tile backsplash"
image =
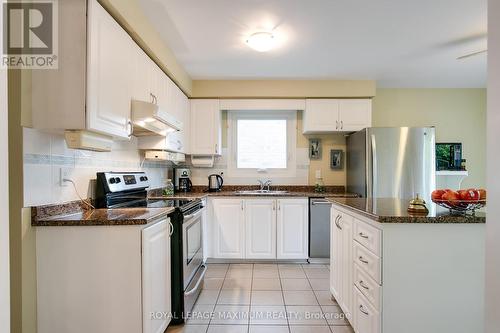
{"points": [[200, 175], [45, 154]]}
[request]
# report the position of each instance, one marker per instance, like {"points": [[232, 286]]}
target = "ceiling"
{"points": [[398, 43]]}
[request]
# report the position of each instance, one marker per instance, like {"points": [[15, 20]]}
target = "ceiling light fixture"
{"points": [[261, 41]]}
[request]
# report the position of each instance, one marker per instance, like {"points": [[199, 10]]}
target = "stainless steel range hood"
{"points": [[150, 119]]}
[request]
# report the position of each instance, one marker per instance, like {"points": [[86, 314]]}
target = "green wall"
{"points": [[459, 115]]}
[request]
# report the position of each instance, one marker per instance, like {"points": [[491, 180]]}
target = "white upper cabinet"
{"points": [[260, 227], [142, 75], [355, 114], [206, 131], [101, 71], [179, 107], [109, 84], [336, 115], [321, 115], [292, 229]]}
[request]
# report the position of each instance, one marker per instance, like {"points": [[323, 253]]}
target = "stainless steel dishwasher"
{"points": [[319, 230]]}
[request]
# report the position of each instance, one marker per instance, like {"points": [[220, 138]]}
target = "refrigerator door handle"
{"points": [[374, 167]]}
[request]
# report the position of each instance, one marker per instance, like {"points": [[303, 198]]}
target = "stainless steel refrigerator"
{"points": [[392, 162]]}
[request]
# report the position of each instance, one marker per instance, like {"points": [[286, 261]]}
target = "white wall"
{"points": [[493, 161], [45, 154], [4, 203]]}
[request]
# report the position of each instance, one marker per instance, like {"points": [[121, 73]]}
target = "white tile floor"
{"points": [[265, 298]]}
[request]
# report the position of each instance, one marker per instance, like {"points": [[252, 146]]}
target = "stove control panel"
{"points": [[123, 181]]}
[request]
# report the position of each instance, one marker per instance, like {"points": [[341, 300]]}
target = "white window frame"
{"points": [[291, 169]]}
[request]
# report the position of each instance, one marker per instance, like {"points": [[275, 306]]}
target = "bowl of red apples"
{"points": [[461, 201]]}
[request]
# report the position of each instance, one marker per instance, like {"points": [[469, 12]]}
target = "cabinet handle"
{"points": [[337, 219], [337, 124], [154, 100], [364, 261], [279, 206], [362, 235], [216, 148], [130, 128], [341, 124], [171, 228], [274, 205], [362, 284], [362, 309], [241, 204]]}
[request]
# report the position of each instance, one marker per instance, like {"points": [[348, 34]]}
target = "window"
{"points": [[261, 142]]}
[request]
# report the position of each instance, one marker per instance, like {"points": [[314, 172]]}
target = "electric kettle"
{"points": [[215, 183]]}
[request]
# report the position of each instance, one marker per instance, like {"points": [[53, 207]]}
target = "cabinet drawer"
{"points": [[366, 318], [368, 287], [368, 236], [368, 262]]}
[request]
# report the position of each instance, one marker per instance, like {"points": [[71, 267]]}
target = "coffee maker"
{"points": [[182, 181]]}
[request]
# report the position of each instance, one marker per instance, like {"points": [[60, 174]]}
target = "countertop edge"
{"points": [[65, 220]]}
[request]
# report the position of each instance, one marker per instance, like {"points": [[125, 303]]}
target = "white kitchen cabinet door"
{"points": [[292, 229], [321, 116], [260, 228], [156, 279], [335, 255], [205, 127], [142, 74], [341, 276], [355, 114], [178, 107], [346, 269], [109, 87], [228, 228]]}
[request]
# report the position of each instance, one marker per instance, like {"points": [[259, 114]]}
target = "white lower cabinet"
{"points": [[228, 228], [156, 291], [341, 259], [103, 279], [293, 229], [259, 228], [366, 318], [407, 277]]}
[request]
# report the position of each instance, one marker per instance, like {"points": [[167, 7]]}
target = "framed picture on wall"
{"points": [[314, 149], [336, 159]]}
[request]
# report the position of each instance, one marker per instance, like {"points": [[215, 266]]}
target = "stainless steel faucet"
{"points": [[264, 184]]}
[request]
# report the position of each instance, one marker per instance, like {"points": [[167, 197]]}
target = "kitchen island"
{"points": [[393, 272]]}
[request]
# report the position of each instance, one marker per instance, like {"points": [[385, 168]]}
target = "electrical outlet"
{"points": [[64, 173]]}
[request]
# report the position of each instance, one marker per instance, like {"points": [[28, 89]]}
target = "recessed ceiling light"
{"points": [[261, 41]]}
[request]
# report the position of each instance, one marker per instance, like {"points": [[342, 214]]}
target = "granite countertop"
{"points": [[391, 210], [75, 214], [232, 191], [236, 194]]}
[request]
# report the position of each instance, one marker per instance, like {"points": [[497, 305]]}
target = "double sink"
{"points": [[261, 192]]}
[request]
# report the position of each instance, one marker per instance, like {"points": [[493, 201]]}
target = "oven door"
{"points": [[192, 242]]}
